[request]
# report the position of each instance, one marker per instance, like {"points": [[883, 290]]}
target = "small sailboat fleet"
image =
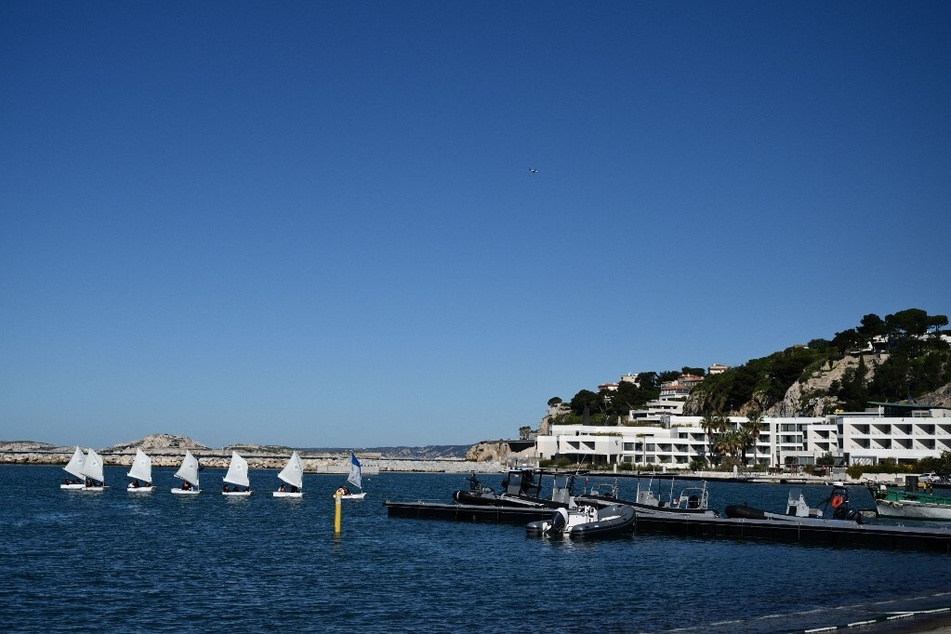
{"points": [[141, 474], [188, 474], [85, 473], [237, 476], [292, 475], [87, 470], [356, 479]]}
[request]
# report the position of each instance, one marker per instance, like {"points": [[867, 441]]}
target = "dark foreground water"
{"points": [[111, 561]]}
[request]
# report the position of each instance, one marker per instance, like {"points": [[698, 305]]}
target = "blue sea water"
{"points": [[113, 561]]}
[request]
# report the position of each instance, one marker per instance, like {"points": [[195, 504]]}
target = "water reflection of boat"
{"points": [[585, 522], [797, 509]]}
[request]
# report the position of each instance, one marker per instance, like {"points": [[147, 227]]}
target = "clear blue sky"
{"points": [[314, 223]]}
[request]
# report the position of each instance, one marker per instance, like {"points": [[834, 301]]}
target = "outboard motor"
{"points": [[559, 520], [841, 509]]}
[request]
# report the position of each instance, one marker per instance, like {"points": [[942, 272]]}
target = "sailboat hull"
{"points": [[132, 489], [178, 491], [236, 493], [288, 494], [72, 487], [354, 496]]}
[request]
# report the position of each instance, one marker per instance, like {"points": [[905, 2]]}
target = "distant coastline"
{"points": [[315, 461]]}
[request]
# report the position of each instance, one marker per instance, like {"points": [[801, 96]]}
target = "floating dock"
{"points": [[473, 513], [812, 532], [804, 531]]}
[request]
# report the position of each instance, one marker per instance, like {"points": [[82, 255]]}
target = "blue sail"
{"points": [[356, 474]]}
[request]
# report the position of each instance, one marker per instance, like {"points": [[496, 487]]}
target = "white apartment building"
{"points": [[870, 437], [853, 438]]}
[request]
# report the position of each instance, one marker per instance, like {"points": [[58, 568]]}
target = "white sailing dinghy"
{"points": [[92, 471], [356, 479], [188, 474], [293, 477], [238, 476], [141, 473], [75, 468]]}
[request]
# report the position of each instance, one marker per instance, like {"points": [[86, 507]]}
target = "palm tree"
{"points": [[727, 443], [755, 426], [713, 426]]}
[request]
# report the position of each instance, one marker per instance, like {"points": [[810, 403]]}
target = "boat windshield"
{"points": [[522, 483]]}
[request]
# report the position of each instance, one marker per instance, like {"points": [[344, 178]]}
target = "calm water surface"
{"points": [[158, 562]]}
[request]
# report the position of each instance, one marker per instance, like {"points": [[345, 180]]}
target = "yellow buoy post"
{"points": [[337, 511]]}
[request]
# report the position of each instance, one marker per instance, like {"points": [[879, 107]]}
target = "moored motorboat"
{"points": [[912, 502], [585, 522], [797, 509], [521, 487], [694, 500]]}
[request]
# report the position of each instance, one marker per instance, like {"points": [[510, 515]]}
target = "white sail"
{"points": [[293, 472], [237, 471], [141, 467], [189, 469], [92, 466], [356, 472], [75, 465]]}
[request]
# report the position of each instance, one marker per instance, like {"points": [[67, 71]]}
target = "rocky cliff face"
{"points": [[808, 398], [496, 451], [939, 398]]}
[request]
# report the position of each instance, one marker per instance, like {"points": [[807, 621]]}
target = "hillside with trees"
{"points": [[900, 358]]}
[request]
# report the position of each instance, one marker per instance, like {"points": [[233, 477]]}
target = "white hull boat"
{"points": [[93, 472], [292, 475], [356, 479], [237, 476], [141, 473], [586, 522], [75, 468], [913, 510], [911, 503], [188, 474]]}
